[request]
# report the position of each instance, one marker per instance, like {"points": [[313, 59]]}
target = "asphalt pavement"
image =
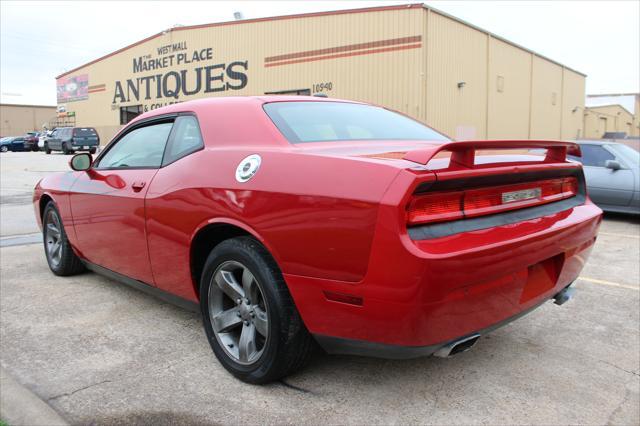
{"points": [[102, 353]]}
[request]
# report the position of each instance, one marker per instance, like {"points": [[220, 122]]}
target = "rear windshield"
{"points": [[302, 122], [84, 132]]}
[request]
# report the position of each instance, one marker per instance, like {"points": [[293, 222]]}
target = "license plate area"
{"points": [[521, 195], [542, 277]]}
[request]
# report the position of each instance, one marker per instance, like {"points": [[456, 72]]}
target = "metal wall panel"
{"points": [[573, 90], [373, 56], [16, 120], [456, 78], [461, 80], [546, 100], [509, 91]]}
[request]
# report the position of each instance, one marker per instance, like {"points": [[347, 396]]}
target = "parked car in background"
{"points": [[296, 220], [31, 141], [73, 139], [612, 172], [43, 138], [12, 143]]}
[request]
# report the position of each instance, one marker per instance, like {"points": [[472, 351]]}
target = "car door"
{"points": [[53, 142], [108, 201], [18, 144], [170, 216], [606, 186]]}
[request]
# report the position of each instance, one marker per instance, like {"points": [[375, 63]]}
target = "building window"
{"points": [[128, 113]]}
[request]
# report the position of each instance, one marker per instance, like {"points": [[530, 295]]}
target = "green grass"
{"points": [[2, 423]]}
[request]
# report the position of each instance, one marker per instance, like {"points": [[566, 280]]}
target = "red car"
{"points": [[296, 220]]}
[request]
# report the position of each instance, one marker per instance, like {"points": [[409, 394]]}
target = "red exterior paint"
{"points": [[333, 215]]}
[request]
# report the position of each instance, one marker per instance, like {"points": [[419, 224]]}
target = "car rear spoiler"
{"points": [[463, 152]]}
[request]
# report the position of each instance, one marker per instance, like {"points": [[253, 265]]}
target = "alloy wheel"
{"points": [[53, 238], [238, 312]]}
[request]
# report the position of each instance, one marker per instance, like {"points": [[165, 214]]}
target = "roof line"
{"points": [[609, 105], [606, 95], [497, 37], [314, 14], [30, 105], [247, 21]]}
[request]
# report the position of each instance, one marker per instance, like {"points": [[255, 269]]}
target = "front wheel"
{"points": [[92, 151], [60, 256], [249, 317], [4, 148]]}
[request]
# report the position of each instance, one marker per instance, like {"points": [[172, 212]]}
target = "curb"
{"points": [[20, 406]]}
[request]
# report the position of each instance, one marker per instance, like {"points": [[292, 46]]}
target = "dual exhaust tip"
{"points": [[468, 342], [457, 347]]}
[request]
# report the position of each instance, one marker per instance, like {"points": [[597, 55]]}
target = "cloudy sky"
{"points": [[40, 40]]}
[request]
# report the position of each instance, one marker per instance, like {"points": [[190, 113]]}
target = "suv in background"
{"points": [[73, 139], [31, 141]]}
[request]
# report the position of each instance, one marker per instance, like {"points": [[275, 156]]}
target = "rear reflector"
{"points": [[445, 206], [343, 298]]}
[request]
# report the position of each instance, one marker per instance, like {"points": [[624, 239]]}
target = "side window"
{"points": [[141, 147], [186, 138], [595, 155]]}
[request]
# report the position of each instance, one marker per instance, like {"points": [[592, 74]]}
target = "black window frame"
{"points": [[172, 137], [167, 118]]}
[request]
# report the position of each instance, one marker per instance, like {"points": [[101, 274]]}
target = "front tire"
{"points": [[46, 149], [4, 148], [92, 151], [249, 317], [60, 256]]}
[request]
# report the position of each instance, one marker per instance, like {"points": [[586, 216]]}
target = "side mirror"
{"points": [[81, 162], [612, 164]]}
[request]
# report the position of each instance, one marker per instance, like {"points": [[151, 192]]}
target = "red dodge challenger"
{"points": [[293, 221]]}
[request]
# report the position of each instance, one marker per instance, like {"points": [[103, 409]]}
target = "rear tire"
{"points": [[65, 149], [92, 151], [60, 256], [280, 342]]}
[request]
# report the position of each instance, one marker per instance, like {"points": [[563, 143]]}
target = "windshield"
{"points": [[627, 152], [302, 122]]}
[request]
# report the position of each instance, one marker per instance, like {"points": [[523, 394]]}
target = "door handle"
{"points": [[138, 185]]}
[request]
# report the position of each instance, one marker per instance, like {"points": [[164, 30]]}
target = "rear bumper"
{"points": [[341, 346], [418, 296]]}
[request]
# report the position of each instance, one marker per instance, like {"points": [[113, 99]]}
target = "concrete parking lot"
{"points": [[101, 353]]}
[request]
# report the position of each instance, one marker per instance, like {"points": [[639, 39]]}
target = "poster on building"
{"points": [[74, 88]]}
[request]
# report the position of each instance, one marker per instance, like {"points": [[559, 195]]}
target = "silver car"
{"points": [[612, 171]]}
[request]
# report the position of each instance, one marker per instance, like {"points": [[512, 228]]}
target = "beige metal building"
{"points": [[16, 120], [608, 113], [460, 79]]}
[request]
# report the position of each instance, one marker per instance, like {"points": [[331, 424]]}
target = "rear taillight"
{"points": [[445, 206]]}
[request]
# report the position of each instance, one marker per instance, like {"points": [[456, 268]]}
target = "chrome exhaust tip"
{"points": [[457, 347], [564, 295]]}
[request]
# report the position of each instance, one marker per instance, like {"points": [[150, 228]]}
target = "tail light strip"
{"points": [[455, 205]]}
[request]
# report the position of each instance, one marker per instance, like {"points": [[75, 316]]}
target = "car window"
{"points": [[141, 147], [301, 122], [186, 139], [627, 153], [593, 155], [83, 132]]}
